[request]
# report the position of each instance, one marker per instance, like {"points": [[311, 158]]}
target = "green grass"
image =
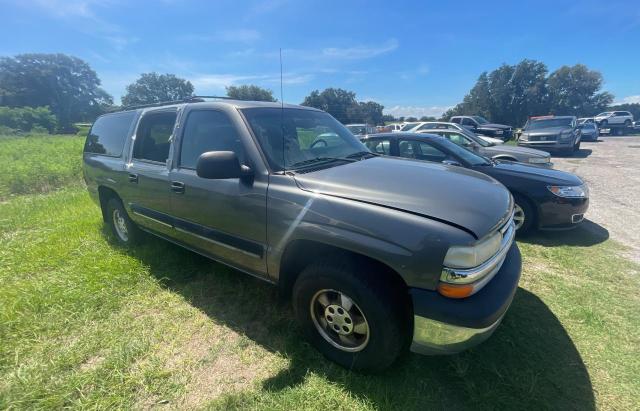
{"points": [[39, 163], [86, 324]]}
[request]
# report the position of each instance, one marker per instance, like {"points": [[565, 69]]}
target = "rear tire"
{"points": [[124, 230], [352, 313], [524, 215]]}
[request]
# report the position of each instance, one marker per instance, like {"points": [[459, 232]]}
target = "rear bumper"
{"points": [[446, 326]]}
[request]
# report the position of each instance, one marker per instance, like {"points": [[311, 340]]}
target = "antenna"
{"points": [[284, 160]]}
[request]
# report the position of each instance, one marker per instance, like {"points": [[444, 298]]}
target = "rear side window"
{"points": [[108, 134], [455, 120], [208, 130], [153, 138]]}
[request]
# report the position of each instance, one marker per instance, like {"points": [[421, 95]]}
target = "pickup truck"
{"points": [[376, 253]]}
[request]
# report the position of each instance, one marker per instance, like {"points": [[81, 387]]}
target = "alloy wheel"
{"points": [[518, 216], [339, 320], [120, 225]]}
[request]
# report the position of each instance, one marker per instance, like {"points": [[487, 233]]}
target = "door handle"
{"points": [[133, 178], [177, 187]]}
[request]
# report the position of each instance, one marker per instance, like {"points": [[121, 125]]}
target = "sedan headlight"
{"points": [[539, 160], [570, 191], [524, 137], [498, 132], [474, 255]]}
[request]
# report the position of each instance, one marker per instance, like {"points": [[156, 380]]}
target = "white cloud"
{"points": [[228, 36], [360, 52], [629, 100], [416, 111]]}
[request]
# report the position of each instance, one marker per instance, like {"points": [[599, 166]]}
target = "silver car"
{"points": [[495, 152], [589, 131], [439, 125]]}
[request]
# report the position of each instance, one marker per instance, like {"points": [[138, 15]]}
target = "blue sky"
{"points": [[416, 58]]}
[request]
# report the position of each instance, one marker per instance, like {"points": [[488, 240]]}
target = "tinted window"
{"points": [[547, 123], [468, 122], [455, 120], [153, 136], [379, 146], [420, 150], [208, 130], [108, 134]]}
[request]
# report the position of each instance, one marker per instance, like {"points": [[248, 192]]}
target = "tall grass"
{"points": [[39, 163]]}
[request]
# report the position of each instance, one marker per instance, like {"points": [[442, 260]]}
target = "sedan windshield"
{"points": [[408, 126], [480, 120], [296, 138], [466, 155], [548, 123]]}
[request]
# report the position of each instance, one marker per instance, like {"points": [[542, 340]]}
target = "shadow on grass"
{"points": [[530, 362], [586, 234]]}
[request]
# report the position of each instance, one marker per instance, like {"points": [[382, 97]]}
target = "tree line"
{"points": [[71, 91]]}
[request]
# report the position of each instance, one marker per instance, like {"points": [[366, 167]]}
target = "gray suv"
{"points": [[552, 133], [375, 252]]}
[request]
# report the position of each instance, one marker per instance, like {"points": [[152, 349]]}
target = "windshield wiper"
{"points": [[361, 154], [315, 160]]}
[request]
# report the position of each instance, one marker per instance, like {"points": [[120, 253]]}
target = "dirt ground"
{"points": [[611, 168]]}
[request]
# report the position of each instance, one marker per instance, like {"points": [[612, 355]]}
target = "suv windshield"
{"points": [[606, 113], [295, 138], [547, 123], [480, 120]]}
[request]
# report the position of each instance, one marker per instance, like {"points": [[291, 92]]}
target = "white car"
{"points": [[586, 120], [408, 126], [396, 127], [440, 125], [614, 118]]}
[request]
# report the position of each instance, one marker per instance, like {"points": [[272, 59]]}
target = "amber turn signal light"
{"points": [[455, 291]]}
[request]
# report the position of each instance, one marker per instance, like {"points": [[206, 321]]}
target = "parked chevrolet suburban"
{"points": [[375, 252]]}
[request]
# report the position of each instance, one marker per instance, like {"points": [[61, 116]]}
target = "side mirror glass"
{"points": [[217, 165]]}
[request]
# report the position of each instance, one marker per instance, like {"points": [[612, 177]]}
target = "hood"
{"points": [[494, 125], [545, 131], [495, 141], [547, 176], [521, 151], [451, 194]]}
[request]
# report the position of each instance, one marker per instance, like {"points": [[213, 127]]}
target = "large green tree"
{"points": [[65, 84], [573, 90], [250, 92], [512, 93], [343, 105], [156, 88]]}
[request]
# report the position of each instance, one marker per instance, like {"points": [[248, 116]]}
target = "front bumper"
{"points": [[561, 213], [547, 145], [446, 326]]}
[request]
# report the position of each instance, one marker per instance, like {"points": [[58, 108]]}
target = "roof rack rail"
{"points": [[192, 99]]}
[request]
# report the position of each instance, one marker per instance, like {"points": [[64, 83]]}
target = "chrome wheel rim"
{"points": [[518, 216], [120, 225], [339, 320]]}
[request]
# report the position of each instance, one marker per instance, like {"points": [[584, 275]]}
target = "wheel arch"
{"points": [[104, 195], [302, 252], [532, 203]]}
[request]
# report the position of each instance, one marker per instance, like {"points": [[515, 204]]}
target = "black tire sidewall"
{"points": [[112, 205], [383, 311], [529, 214]]}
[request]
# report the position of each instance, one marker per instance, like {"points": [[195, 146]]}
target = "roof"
{"points": [[217, 102], [549, 117], [404, 135]]}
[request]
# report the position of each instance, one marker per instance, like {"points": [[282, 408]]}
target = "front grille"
{"points": [[543, 138]]}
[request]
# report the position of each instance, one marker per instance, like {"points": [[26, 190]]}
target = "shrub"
{"points": [[26, 118]]}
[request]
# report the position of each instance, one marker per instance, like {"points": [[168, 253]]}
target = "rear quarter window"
{"points": [[108, 134]]}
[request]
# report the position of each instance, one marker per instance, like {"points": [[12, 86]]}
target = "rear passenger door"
{"points": [[147, 193], [223, 218]]}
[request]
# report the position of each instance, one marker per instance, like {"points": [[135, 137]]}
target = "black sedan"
{"points": [[545, 199]]}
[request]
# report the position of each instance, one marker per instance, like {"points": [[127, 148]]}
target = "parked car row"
{"points": [[404, 240]]}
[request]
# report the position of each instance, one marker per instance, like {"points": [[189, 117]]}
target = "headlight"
{"points": [[539, 160], [565, 135], [570, 191], [498, 132], [473, 256], [524, 137]]}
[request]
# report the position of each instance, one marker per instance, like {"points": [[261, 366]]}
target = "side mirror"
{"points": [[450, 162], [217, 165]]}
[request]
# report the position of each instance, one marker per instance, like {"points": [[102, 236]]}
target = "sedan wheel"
{"points": [[518, 216]]}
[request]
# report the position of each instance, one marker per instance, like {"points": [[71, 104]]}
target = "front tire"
{"points": [[627, 123], [524, 215], [123, 229], [350, 313]]}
